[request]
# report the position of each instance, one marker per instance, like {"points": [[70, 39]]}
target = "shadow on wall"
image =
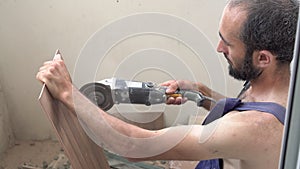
{"points": [[6, 136]]}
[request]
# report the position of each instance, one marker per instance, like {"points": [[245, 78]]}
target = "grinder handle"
{"points": [[195, 96], [175, 95]]}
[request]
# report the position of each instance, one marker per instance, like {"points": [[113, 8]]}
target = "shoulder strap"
{"points": [[221, 108], [226, 105], [268, 107]]}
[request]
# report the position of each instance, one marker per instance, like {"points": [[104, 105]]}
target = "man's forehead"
{"points": [[235, 15], [232, 20]]}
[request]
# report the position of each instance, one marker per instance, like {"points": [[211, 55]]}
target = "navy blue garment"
{"points": [[229, 104]]}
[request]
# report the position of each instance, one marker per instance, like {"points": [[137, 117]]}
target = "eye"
{"points": [[226, 43]]}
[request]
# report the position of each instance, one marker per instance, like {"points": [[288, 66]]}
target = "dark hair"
{"points": [[270, 25]]}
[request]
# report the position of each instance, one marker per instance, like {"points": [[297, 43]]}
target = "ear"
{"points": [[264, 58]]}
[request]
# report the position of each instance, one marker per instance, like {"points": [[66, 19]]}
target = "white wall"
{"points": [[31, 30]]}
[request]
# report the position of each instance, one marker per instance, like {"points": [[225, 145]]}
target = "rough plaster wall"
{"points": [[6, 137], [32, 30]]}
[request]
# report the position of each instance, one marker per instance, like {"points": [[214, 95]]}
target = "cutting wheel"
{"points": [[99, 94]]}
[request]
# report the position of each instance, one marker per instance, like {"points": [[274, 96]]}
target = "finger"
{"points": [[178, 100], [43, 68], [167, 83], [37, 76], [170, 100], [40, 77], [172, 88], [47, 63]]}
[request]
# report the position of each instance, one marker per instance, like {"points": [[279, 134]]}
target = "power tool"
{"points": [[108, 92]]}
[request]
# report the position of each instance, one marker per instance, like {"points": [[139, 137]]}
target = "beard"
{"points": [[245, 70]]}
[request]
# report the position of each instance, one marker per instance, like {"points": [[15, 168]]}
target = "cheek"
{"points": [[231, 56], [237, 54], [235, 60]]}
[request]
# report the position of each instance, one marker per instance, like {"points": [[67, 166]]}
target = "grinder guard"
{"points": [[99, 94]]}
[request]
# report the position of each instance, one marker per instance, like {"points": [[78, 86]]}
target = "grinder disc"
{"points": [[99, 94]]}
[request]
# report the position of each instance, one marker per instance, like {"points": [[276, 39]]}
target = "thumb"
{"points": [[57, 55], [172, 88]]}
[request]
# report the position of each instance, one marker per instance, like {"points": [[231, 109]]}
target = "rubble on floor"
{"points": [[59, 162], [49, 155], [115, 162]]}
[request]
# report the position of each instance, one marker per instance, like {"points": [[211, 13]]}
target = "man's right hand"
{"points": [[173, 86]]}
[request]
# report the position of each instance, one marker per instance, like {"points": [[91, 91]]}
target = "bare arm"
{"points": [[246, 136]]}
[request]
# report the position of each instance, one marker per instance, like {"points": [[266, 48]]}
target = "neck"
{"points": [[270, 87]]}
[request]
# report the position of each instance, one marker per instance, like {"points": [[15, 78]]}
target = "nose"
{"points": [[222, 48]]}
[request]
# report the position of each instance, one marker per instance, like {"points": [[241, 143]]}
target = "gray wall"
{"points": [[31, 30]]}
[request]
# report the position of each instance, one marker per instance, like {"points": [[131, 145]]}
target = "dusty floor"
{"points": [[30, 152], [37, 153]]}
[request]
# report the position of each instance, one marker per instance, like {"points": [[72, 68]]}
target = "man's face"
{"points": [[238, 56]]}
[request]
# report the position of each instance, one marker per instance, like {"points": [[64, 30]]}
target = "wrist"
{"points": [[203, 89], [67, 99]]}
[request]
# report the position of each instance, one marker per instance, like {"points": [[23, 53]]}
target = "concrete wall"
{"points": [[32, 30]]}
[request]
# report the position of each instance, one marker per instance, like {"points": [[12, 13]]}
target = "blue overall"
{"points": [[229, 104]]}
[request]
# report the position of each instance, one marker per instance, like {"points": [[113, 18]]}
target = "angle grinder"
{"points": [[108, 92]]}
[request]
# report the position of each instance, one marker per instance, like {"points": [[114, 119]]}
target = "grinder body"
{"points": [[107, 92]]}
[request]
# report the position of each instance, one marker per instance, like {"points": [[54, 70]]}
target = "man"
{"points": [[257, 39]]}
